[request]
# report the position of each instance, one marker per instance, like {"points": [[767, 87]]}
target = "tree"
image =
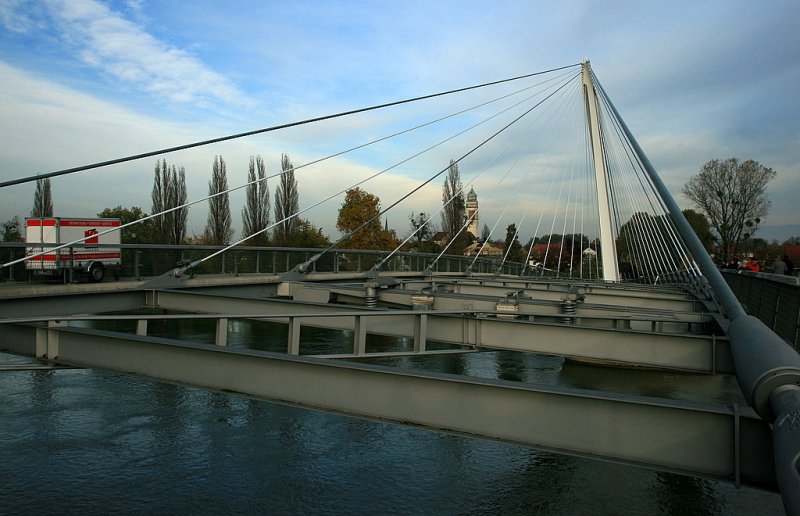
{"points": [[513, 247], [255, 214], [359, 214], [307, 235], [162, 201], [422, 226], [11, 230], [454, 212], [179, 199], [287, 203], [701, 227], [572, 247], [733, 196], [140, 233], [42, 199], [219, 224], [485, 233], [168, 200]]}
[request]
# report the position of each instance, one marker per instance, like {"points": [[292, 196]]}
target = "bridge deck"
{"points": [[649, 327]]}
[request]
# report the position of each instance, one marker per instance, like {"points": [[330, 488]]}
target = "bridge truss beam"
{"points": [[707, 440], [700, 353]]}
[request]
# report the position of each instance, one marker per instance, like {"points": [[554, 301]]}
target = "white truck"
{"points": [[91, 257]]}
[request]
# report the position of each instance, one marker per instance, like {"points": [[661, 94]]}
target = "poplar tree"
{"points": [[42, 199], [454, 212], [219, 226], [255, 214], [169, 192], [179, 199], [287, 203], [161, 202]]}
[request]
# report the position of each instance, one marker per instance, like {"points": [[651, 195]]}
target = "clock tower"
{"points": [[472, 213]]}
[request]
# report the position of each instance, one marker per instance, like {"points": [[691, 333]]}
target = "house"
{"points": [[440, 238], [488, 250]]}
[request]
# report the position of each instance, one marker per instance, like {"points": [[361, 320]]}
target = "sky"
{"points": [[84, 81]]}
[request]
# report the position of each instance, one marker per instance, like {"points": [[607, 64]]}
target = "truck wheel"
{"points": [[96, 273]]}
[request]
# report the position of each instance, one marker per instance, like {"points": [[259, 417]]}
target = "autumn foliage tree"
{"points": [[360, 214]]}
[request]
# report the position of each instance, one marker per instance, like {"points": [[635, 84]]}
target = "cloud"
{"points": [[47, 126], [104, 40], [17, 17], [692, 82]]}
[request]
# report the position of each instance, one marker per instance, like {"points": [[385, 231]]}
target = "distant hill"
{"points": [[779, 233]]}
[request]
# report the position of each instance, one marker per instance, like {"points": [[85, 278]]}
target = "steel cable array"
{"points": [[646, 239]]}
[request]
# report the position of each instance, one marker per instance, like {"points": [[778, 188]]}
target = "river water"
{"points": [[86, 441]]}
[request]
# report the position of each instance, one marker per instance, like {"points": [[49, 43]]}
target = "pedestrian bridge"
{"points": [[675, 315], [649, 327]]}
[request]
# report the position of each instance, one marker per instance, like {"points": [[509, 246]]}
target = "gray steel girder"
{"points": [[716, 441], [652, 349]]}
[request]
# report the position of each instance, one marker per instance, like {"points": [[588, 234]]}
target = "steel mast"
{"points": [[608, 247]]}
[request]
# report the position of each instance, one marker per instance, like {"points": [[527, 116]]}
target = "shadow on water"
{"points": [[510, 367], [677, 494], [660, 384]]}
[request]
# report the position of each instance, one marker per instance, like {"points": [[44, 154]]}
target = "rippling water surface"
{"points": [[99, 442]]}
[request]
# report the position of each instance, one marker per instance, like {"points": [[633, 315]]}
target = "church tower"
{"points": [[472, 213]]}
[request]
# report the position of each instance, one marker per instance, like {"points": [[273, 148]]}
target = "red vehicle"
{"points": [[42, 234]]}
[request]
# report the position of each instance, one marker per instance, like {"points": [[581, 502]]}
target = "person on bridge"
{"points": [[789, 265], [778, 266], [753, 265]]}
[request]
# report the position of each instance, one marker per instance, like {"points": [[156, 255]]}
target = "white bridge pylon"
{"points": [[604, 202]]}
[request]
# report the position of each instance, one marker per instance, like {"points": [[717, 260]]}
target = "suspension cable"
{"points": [[501, 130], [289, 217], [268, 129], [313, 162]]}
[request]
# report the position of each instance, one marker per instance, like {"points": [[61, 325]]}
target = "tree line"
{"points": [[729, 194], [358, 218]]}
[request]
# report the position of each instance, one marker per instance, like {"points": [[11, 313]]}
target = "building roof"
{"points": [[488, 250]]}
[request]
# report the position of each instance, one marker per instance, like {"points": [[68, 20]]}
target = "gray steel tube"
{"points": [[763, 360], [767, 368], [786, 445]]}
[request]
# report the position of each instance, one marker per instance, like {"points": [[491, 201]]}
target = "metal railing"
{"points": [[774, 299], [150, 260]]}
